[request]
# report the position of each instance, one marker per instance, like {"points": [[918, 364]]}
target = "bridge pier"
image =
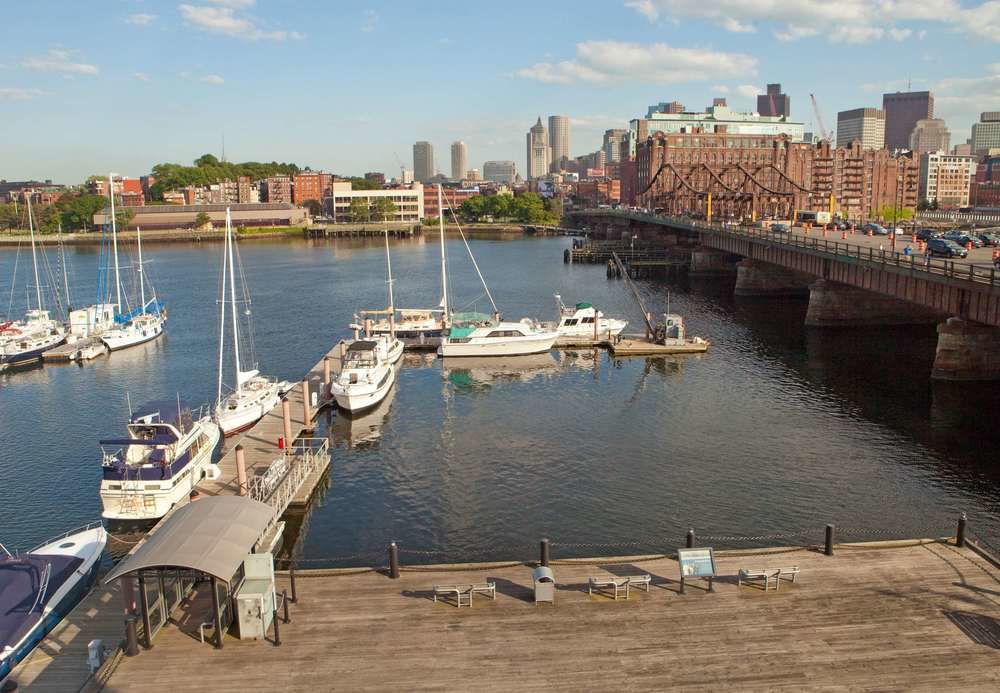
{"points": [[756, 278], [839, 305], [709, 262], [966, 351]]}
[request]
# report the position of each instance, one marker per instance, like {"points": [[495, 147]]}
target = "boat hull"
{"points": [[355, 399], [29, 356], [232, 422], [506, 346], [122, 339]]}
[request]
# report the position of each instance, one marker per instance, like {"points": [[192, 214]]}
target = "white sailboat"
{"points": [[144, 322], [478, 334], [391, 345], [254, 394]]}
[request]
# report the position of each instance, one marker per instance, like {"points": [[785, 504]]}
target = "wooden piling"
{"points": [[241, 470], [286, 413], [306, 405]]}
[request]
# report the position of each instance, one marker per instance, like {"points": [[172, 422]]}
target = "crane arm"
{"points": [[819, 119]]}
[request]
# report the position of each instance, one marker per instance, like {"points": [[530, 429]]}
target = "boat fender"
{"points": [[214, 472]]}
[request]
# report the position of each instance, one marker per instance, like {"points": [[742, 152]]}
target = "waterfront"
{"points": [[777, 430]]}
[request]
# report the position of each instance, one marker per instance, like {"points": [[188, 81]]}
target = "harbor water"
{"points": [[777, 431]]}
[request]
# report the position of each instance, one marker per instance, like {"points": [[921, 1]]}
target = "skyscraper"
{"points": [[867, 125], [612, 145], [930, 135], [459, 159], [774, 103], [423, 161], [538, 150], [986, 133], [500, 171], [902, 111], [558, 141]]}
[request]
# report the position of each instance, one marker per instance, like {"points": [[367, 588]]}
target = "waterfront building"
{"points": [[538, 150], [866, 125], [986, 133], [930, 135], [902, 111], [716, 118], [423, 161], [612, 145], [246, 190], [409, 201], [42, 193], [774, 103], [452, 196], [559, 141], [946, 179], [500, 171], [985, 189], [276, 189], [310, 185], [459, 159], [178, 216]]}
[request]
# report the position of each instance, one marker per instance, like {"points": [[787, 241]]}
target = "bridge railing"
{"points": [[841, 249]]}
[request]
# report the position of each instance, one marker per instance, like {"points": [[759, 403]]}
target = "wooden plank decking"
{"points": [[905, 618]]}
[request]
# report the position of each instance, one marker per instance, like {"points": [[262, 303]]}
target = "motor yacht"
{"points": [[366, 376]]}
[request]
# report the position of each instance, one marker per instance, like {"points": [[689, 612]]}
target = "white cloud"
{"points": [[141, 76], [370, 22], [140, 19], [19, 94], [720, 89], [962, 99], [609, 62], [224, 20], [846, 21], [749, 91], [58, 60], [212, 79], [234, 3]]}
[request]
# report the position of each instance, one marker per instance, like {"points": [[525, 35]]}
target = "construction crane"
{"points": [[402, 168], [819, 120]]}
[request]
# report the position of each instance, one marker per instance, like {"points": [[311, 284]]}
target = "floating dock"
{"points": [[637, 345], [67, 352]]}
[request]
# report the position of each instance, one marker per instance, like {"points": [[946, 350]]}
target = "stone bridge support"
{"points": [[708, 262], [838, 305], [967, 351], [756, 278]]}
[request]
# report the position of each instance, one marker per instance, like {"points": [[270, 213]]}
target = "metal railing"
{"points": [[305, 456], [839, 250]]}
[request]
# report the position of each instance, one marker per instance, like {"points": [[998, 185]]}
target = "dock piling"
{"points": [[306, 409], [326, 377], [690, 538], [131, 636], [291, 576], [277, 628], [284, 605], [543, 552], [393, 561], [828, 550], [960, 536], [286, 413], [241, 470]]}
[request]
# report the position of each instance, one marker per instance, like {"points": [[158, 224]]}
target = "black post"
{"points": [[291, 575], [681, 591], [131, 637], [960, 537], [9, 686], [829, 541], [284, 603], [543, 552], [393, 561], [147, 629], [216, 613], [690, 538], [277, 630]]}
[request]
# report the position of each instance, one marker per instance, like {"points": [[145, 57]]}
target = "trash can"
{"points": [[545, 584]]}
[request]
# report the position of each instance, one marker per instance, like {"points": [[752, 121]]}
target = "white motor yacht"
{"points": [[166, 454], [583, 321], [365, 377], [416, 328]]}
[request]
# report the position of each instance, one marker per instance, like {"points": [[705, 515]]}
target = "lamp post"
{"points": [[896, 204]]}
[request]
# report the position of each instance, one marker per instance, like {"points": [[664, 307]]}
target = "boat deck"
{"points": [[894, 616], [640, 346]]}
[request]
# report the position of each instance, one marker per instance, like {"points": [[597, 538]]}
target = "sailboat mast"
{"points": [[232, 298], [142, 286], [222, 316], [62, 255], [114, 243], [444, 261], [392, 303], [34, 256]]}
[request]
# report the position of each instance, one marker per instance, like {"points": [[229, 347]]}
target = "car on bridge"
{"points": [[943, 247], [781, 228], [990, 239], [963, 239], [875, 229], [927, 234]]}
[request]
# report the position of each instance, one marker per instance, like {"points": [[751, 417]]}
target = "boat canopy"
{"points": [[581, 306], [22, 598], [362, 345], [155, 440], [154, 307], [177, 414], [471, 317]]}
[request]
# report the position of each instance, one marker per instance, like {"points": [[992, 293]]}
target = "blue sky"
{"points": [[347, 86]]}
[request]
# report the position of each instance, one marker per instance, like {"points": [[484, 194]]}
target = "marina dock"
{"points": [[67, 352], [907, 615]]}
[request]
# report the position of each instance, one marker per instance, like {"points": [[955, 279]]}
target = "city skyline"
{"points": [[198, 72]]}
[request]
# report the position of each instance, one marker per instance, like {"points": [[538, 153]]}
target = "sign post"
{"points": [[696, 563]]}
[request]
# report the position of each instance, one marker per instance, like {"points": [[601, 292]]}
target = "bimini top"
{"points": [[166, 411], [362, 345], [211, 535]]}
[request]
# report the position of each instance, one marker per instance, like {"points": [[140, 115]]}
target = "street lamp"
{"points": [[897, 202]]}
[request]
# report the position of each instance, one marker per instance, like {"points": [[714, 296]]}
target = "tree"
{"points": [[124, 216], [383, 209], [77, 209], [358, 210], [315, 207], [359, 183], [202, 220], [474, 208]]}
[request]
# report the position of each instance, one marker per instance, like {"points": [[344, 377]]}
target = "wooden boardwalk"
{"points": [[887, 617]]}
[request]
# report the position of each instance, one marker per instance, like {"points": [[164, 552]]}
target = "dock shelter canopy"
{"points": [[211, 535]]}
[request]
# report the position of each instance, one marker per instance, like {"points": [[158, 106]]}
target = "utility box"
{"points": [[255, 599], [545, 584]]}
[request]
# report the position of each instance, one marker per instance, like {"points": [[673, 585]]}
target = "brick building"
{"points": [[597, 192], [985, 188], [946, 179], [275, 189], [310, 185], [452, 196]]}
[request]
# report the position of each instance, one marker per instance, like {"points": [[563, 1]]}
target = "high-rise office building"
{"points": [[902, 111], [866, 125], [500, 171], [612, 145], [423, 161], [946, 179], [930, 135], [459, 159], [774, 103], [665, 107], [558, 141], [538, 150], [986, 133]]}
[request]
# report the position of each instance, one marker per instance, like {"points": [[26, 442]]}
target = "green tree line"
{"points": [[73, 211], [208, 169], [529, 208]]}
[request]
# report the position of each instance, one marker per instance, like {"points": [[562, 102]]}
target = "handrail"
{"points": [[84, 528]]}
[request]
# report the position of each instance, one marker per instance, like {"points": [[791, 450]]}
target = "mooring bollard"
{"points": [[241, 470], [131, 636], [960, 537], [291, 575], [277, 630], [9, 686], [286, 413], [326, 376], [828, 550], [690, 538], [543, 552], [393, 561], [306, 409], [284, 604]]}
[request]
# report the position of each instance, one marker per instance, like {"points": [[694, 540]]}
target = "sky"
{"points": [[348, 87]]}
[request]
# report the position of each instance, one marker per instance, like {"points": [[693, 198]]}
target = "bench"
{"points": [[767, 575], [617, 586], [788, 573], [463, 593]]}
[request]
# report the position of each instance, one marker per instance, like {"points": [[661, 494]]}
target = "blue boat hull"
{"points": [[26, 357]]}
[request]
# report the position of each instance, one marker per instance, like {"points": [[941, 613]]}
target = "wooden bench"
{"points": [[463, 593], [767, 575], [616, 586], [787, 573]]}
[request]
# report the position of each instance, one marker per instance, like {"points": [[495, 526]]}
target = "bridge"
{"points": [[849, 283]]}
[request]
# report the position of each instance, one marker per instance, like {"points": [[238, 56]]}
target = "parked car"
{"points": [[875, 229], [943, 247], [990, 239], [963, 239], [927, 234], [894, 230], [780, 228]]}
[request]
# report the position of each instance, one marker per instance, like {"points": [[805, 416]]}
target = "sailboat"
{"points": [[25, 341], [255, 394], [478, 334], [145, 321]]}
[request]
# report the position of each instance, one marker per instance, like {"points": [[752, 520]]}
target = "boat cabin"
{"points": [[154, 448]]}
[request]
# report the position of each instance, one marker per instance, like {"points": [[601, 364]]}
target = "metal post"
{"points": [[828, 550], [393, 561], [147, 629], [277, 630], [216, 613], [306, 409], [543, 552], [690, 538], [131, 636], [284, 604], [291, 575], [241, 470], [960, 537], [286, 413]]}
